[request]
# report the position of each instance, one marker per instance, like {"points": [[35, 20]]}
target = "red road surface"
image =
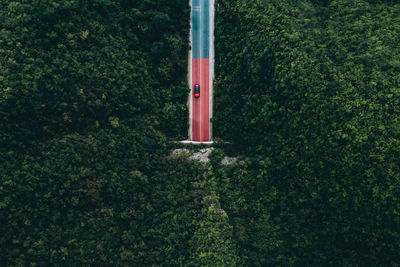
{"points": [[201, 105], [205, 100], [196, 118]]}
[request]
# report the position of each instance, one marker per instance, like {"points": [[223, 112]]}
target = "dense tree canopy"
{"points": [[315, 89], [85, 90], [74, 65]]}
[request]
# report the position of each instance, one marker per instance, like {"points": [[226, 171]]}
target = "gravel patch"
{"points": [[202, 155]]}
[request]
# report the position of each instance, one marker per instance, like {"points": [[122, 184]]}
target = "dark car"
{"points": [[196, 90]]}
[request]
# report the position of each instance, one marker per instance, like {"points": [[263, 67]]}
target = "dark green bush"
{"points": [[108, 198], [315, 91], [69, 66], [212, 243]]}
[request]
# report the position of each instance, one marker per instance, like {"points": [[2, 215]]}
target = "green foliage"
{"points": [[66, 67], [212, 243], [315, 90], [109, 198], [85, 90], [174, 111]]}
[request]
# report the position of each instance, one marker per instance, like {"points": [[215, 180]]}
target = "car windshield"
{"points": [[197, 89]]}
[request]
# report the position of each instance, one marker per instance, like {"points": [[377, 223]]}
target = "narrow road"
{"points": [[201, 69]]}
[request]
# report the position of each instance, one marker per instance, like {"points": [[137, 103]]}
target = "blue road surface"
{"points": [[205, 29], [196, 28]]}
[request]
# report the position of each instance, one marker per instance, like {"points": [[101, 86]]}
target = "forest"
{"points": [[93, 93]]}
